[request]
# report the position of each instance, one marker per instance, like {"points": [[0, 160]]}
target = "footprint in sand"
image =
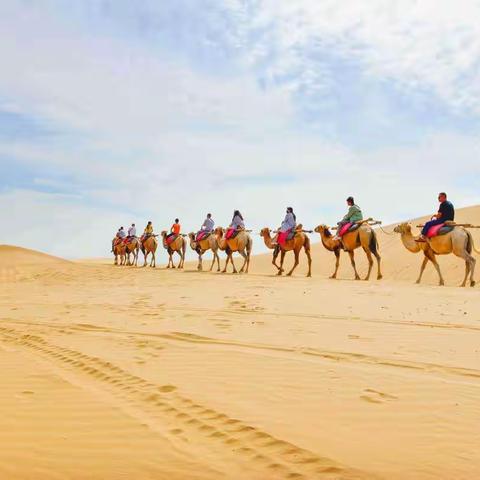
{"points": [[375, 396], [167, 388]]}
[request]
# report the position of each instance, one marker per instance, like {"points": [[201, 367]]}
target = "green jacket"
{"points": [[353, 215]]}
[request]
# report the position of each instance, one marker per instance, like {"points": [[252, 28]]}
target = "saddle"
{"points": [[284, 237], [291, 235], [171, 238], [202, 235], [231, 233], [441, 229], [128, 240], [349, 227]]}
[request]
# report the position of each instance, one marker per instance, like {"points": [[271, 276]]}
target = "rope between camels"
{"points": [[385, 232]]}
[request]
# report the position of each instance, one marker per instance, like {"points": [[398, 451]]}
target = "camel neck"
{"points": [[410, 243]]}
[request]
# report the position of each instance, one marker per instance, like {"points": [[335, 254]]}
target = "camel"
{"points": [[210, 243], [132, 247], [119, 252], [363, 237], [242, 244], [149, 245], [178, 245], [459, 242], [299, 241]]}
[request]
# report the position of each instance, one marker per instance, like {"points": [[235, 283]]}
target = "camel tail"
{"points": [[374, 243], [471, 244]]}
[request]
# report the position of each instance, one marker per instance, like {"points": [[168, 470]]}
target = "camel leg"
{"points": [[379, 272], [214, 253], [218, 260], [282, 258], [233, 264], [153, 262], [249, 253], [370, 263], [469, 268], [309, 259], [422, 268], [226, 263], [245, 258], [276, 251], [213, 260], [431, 257], [472, 270], [337, 263], [467, 271], [200, 263], [297, 255], [352, 261], [184, 251]]}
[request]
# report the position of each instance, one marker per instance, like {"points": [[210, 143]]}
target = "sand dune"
{"points": [[115, 372]]}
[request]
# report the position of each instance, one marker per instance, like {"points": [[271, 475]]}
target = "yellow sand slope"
{"points": [[121, 372]]}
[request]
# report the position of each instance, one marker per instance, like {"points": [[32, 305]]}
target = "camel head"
{"points": [[265, 232], [323, 230], [164, 233], [403, 228], [219, 231]]}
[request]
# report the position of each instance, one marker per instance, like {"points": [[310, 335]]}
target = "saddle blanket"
{"points": [[348, 227], [171, 238], [202, 235], [283, 237], [231, 233], [441, 229]]}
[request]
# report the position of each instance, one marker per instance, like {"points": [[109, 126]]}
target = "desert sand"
{"points": [[122, 372]]}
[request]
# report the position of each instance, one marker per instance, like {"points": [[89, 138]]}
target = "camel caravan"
{"points": [[439, 236]]}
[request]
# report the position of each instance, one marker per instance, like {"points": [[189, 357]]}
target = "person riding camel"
{"points": [[446, 213], [288, 225], [206, 228], [353, 215], [236, 225], [119, 236], [132, 232], [174, 229], [148, 232]]}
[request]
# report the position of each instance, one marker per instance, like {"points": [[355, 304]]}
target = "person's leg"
{"points": [[339, 227], [430, 224]]}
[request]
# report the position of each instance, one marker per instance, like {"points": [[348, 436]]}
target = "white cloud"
{"points": [[432, 44], [144, 135]]}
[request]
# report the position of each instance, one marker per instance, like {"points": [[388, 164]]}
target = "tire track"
{"points": [[235, 439]]}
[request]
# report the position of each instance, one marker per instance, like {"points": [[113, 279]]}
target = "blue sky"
{"points": [[113, 112]]}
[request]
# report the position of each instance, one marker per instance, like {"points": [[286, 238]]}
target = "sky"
{"points": [[113, 112]]}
